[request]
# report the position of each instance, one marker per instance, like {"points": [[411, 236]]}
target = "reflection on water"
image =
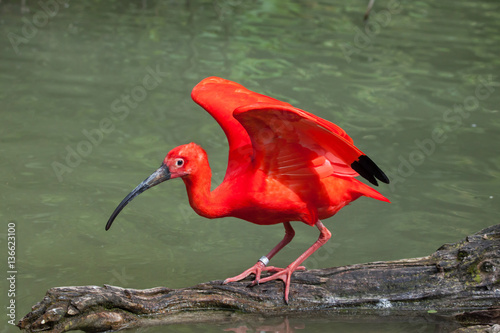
{"points": [[94, 94], [283, 327], [322, 323]]}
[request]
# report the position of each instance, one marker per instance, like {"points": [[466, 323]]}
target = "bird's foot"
{"points": [[285, 275], [256, 270]]}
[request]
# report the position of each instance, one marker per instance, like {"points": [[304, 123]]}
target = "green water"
{"points": [[83, 121]]}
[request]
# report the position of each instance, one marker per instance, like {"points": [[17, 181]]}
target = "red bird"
{"points": [[285, 164]]}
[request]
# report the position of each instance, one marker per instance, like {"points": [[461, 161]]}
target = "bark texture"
{"points": [[460, 281]]}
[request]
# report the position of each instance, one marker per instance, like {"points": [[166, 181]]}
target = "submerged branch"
{"points": [[461, 281], [368, 10]]}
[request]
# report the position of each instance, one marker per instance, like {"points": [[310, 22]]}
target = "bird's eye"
{"points": [[179, 162]]}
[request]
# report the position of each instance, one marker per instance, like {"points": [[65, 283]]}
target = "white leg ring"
{"points": [[264, 260]]}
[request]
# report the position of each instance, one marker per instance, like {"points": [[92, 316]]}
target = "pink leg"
{"points": [[259, 267], [286, 274]]}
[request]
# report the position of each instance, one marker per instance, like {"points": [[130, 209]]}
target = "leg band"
{"points": [[264, 260]]}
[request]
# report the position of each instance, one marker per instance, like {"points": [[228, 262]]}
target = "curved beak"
{"points": [[159, 176]]}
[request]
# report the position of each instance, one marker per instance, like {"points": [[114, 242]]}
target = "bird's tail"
{"points": [[370, 192]]}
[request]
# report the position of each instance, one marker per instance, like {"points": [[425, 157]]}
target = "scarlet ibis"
{"points": [[284, 164]]}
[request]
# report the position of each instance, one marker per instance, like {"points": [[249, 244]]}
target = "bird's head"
{"points": [[184, 160], [181, 162]]}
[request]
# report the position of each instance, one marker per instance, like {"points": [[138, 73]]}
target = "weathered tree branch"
{"points": [[460, 281]]}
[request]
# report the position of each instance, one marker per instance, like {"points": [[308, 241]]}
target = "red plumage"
{"points": [[284, 164]]}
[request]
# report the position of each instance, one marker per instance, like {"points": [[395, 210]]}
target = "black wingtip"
{"points": [[369, 170]]}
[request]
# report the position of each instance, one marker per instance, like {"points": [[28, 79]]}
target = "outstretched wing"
{"points": [[289, 142], [220, 98]]}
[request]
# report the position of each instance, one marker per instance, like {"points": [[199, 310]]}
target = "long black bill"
{"points": [[159, 176]]}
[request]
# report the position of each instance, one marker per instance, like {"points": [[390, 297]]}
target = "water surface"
{"points": [[80, 128]]}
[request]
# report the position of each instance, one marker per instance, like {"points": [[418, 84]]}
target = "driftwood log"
{"points": [[459, 282]]}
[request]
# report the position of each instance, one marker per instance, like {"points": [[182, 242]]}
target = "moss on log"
{"points": [[461, 281]]}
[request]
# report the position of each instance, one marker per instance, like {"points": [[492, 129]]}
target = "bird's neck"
{"points": [[200, 197]]}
